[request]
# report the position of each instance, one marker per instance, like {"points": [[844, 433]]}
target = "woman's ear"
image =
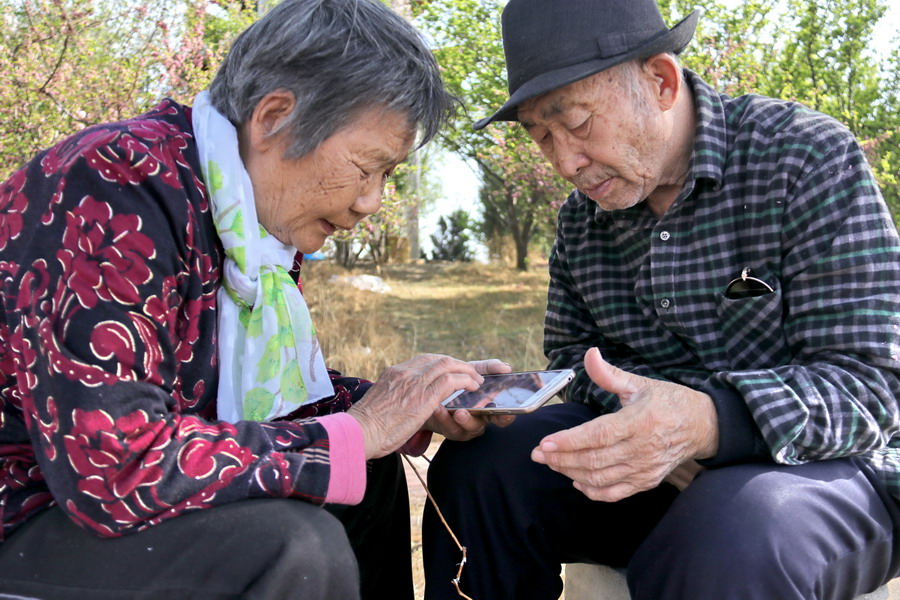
{"points": [[666, 74], [269, 114]]}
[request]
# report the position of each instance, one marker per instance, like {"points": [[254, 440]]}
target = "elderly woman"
{"points": [[159, 372]]}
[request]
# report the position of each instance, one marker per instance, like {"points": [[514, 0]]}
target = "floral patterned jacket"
{"points": [[109, 263]]}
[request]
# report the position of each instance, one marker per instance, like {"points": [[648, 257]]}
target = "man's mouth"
{"points": [[598, 190]]}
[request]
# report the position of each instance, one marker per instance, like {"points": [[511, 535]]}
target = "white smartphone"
{"points": [[511, 393]]}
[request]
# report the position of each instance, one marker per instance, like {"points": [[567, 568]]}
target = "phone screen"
{"points": [[511, 392]]}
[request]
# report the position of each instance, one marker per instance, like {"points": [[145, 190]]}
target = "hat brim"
{"points": [[674, 40]]}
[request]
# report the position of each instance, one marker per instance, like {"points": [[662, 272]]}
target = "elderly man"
{"points": [[725, 281]]}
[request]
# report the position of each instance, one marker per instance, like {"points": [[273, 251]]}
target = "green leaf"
{"points": [[244, 316], [292, 387], [239, 254], [258, 404], [254, 322], [270, 361], [214, 173], [286, 337]]}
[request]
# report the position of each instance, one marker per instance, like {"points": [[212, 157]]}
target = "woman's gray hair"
{"points": [[339, 58]]}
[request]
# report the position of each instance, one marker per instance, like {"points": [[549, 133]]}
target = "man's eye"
{"points": [[542, 137], [583, 128]]}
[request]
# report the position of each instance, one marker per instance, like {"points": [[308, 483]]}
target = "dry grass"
{"points": [[469, 311]]}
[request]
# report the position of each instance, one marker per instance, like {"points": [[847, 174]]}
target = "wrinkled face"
{"points": [[303, 201], [602, 134]]}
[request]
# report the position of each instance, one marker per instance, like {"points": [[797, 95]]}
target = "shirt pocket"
{"points": [[753, 330]]}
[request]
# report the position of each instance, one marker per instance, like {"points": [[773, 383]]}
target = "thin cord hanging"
{"points": [[462, 549]]}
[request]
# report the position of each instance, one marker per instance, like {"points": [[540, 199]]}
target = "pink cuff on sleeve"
{"points": [[417, 444], [347, 450]]}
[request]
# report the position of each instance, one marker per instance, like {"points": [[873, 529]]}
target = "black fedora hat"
{"points": [[551, 43]]}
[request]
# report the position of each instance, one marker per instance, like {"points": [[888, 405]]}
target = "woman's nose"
{"points": [[369, 200]]}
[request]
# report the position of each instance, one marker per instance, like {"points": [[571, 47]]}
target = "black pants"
{"points": [[255, 549], [826, 530]]}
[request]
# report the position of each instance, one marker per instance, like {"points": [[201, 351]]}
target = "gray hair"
{"points": [[339, 58]]}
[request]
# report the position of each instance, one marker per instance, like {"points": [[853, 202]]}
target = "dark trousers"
{"points": [[826, 530], [379, 531], [269, 549]]}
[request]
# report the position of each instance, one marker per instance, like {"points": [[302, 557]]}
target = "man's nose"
{"points": [[570, 157]]}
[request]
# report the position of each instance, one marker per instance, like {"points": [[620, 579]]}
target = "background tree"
{"points": [[377, 234], [412, 204], [818, 53], [68, 64], [521, 192], [381, 237], [451, 242]]}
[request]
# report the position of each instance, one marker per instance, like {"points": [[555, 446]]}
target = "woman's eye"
{"points": [[365, 175]]}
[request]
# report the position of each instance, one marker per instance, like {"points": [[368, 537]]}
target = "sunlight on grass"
{"points": [[468, 311]]}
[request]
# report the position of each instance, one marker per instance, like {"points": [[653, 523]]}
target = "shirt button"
{"points": [[664, 236], [665, 303]]}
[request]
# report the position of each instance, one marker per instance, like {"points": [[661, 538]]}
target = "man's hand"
{"points": [[461, 425], [661, 426]]}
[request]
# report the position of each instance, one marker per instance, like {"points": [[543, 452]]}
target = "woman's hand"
{"points": [[461, 425], [407, 395]]}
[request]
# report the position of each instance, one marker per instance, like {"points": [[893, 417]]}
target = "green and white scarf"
{"points": [[270, 362]]}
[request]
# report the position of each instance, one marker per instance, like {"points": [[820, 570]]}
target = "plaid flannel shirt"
{"points": [[808, 372]]}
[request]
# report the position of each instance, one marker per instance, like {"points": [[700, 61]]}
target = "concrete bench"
{"points": [[596, 582]]}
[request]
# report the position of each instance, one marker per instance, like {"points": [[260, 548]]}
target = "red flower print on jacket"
{"points": [[25, 357], [118, 460], [105, 255], [49, 427], [200, 458], [161, 158], [116, 342], [12, 204], [149, 148], [33, 289], [108, 337], [61, 157]]}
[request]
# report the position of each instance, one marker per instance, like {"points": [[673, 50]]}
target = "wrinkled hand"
{"points": [[405, 396], [461, 425], [661, 425]]}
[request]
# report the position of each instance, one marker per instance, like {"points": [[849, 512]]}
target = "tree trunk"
{"points": [[521, 252], [411, 210]]}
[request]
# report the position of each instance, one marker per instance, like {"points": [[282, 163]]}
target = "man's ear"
{"points": [[270, 113], [665, 72]]}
